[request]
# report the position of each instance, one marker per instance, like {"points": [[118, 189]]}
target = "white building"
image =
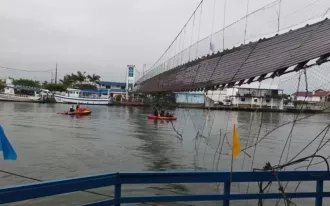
{"points": [[218, 96], [248, 97], [314, 96]]}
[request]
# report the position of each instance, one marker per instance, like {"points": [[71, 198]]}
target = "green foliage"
{"points": [[76, 80], [94, 78], [285, 96], [26, 82], [44, 84], [69, 79], [55, 87], [85, 86], [296, 103], [118, 98], [161, 100], [80, 77], [2, 85]]}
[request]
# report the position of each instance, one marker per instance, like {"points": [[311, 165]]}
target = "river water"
{"points": [[111, 139]]}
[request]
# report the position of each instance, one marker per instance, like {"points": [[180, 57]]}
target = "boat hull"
{"points": [[18, 98], [76, 100], [150, 116], [86, 112]]}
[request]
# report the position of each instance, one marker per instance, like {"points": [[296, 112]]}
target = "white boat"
{"points": [[9, 93], [74, 96]]}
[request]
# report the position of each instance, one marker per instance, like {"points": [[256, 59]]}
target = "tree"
{"points": [[76, 80], [94, 78], [118, 98], [44, 84], [81, 76], [26, 82], [2, 85], [55, 87], [69, 80], [85, 86]]}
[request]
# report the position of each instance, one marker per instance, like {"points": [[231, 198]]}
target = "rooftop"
{"points": [[102, 90], [112, 83], [261, 87], [316, 93]]}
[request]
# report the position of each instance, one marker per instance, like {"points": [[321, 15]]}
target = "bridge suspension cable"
{"points": [[200, 3], [251, 26]]}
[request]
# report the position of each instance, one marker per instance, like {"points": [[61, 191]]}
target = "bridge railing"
{"points": [[49, 188]]}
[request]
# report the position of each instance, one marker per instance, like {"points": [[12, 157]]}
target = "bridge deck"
{"points": [[275, 54]]}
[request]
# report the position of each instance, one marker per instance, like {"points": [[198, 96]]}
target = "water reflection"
{"points": [[114, 139], [157, 146]]}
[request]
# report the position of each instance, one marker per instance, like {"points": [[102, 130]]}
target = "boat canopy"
{"points": [[101, 90]]}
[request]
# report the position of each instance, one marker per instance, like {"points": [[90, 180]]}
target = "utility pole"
{"points": [[56, 74]]}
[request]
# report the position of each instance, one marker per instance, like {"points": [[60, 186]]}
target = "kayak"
{"points": [[151, 116], [83, 112]]}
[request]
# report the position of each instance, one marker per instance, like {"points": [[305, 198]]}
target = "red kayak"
{"points": [[151, 116], [79, 112]]}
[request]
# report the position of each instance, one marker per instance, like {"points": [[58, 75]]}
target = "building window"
{"points": [[268, 100], [255, 100], [107, 87], [242, 99], [320, 98]]}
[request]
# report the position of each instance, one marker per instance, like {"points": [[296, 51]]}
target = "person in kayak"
{"points": [[168, 114], [78, 107], [156, 112], [72, 109]]}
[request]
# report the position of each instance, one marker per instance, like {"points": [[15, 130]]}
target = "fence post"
{"points": [[226, 191], [319, 189], [117, 190]]}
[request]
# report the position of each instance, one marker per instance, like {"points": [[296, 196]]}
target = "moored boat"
{"points": [[75, 96], [35, 94]]}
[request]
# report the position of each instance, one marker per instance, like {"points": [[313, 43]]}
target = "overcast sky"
{"points": [[99, 36]]}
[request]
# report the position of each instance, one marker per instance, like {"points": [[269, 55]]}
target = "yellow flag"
{"points": [[236, 147]]}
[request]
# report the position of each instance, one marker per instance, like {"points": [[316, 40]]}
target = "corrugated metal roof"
{"points": [[248, 61], [312, 94], [112, 83]]}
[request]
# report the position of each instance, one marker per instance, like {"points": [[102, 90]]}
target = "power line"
{"points": [[24, 70]]}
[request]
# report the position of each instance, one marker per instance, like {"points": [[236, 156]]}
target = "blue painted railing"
{"points": [[36, 190]]}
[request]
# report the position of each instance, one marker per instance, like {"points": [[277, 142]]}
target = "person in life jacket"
{"points": [[72, 109], [78, 107]]}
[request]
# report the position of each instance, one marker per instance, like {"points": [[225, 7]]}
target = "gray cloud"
{"points": [[103, 36]]}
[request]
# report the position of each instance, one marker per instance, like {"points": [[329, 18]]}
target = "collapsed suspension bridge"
{"points": [[265, 58]]}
